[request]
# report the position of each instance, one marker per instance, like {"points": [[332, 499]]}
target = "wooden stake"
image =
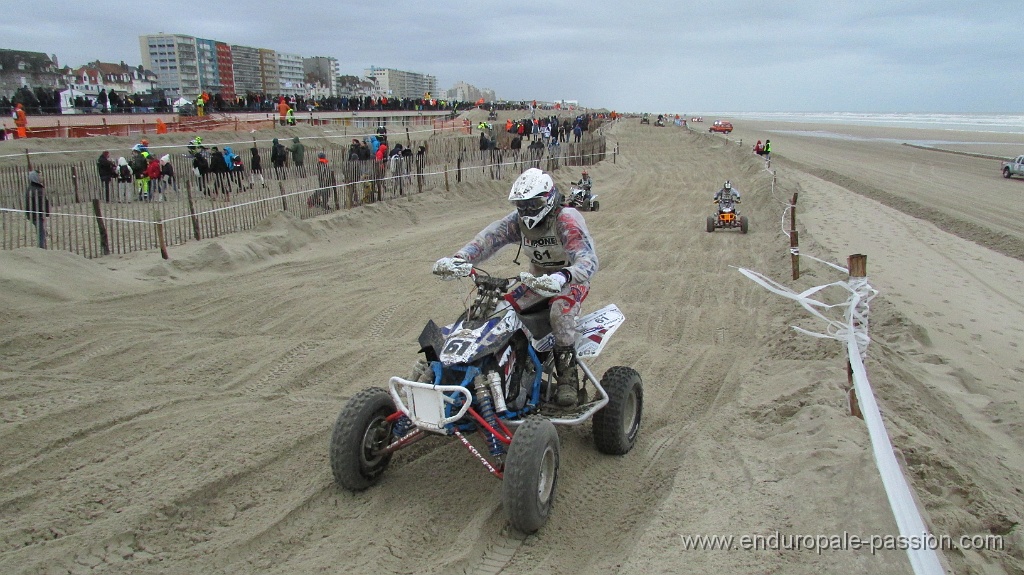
{"points": [[792, 212], [858, 266], [192, 210], [74, 182], [163, 242], [794, 239], [794, 250], [104, 241]]}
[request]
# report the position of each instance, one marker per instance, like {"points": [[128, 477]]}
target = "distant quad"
{"points": [[645, 119], [727, 216]]}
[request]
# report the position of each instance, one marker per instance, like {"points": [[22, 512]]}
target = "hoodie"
{"points": [[124, 171], [278, 155], [229, 158], [298, 151], [166, 167], [255, 164], [37, 205]]}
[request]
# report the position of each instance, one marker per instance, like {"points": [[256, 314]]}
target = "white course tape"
{"points": [[853, 330]]}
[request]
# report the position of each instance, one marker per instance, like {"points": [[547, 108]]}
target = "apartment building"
{"points": [[174, 59], [464, 92], [401, 84], [290, 74], [246, 70], [322, 74]]}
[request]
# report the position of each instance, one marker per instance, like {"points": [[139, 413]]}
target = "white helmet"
{"points": [[728, 185], [534, 195]]}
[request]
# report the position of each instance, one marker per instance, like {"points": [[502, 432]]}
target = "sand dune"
{"points": [[173, 416]]}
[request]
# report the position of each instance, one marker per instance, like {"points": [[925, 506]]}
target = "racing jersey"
{"points": [[559, 242]]}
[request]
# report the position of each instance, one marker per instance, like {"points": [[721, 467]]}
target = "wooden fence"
{"points": [[88, 221]]}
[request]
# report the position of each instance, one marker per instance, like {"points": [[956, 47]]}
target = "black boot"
{"points": [[568, 383]]}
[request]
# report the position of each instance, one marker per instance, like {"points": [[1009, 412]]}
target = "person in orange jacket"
{"points": [[20, 121], [282, 109]]}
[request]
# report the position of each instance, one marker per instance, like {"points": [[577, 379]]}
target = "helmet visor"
{"points": [[532, 207]]}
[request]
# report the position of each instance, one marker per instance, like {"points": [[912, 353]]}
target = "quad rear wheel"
{"points": [[531, 473], [360, 432], [617, 424]]}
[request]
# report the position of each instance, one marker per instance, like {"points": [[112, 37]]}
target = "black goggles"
{"points": [[532, 206]]}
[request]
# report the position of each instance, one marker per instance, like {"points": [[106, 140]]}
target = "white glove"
{"points": [[547, 285], [451, 268]]}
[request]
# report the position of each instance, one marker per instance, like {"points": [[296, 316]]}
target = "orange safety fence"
{"points": [[191, 124], [442, 125]]}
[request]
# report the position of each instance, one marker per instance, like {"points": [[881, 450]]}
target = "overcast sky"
{"points": [[655, 56]]}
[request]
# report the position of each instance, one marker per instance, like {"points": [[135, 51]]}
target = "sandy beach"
{"points": [[173, 417]]}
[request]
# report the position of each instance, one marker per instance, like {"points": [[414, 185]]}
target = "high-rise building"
{"points": [[246, 70], [209, 72], [175, 61], [225, 70], [290, 74], [188, 66], [400, 84], [269, 76], [322, 75]]}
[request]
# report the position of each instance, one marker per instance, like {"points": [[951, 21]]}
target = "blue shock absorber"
{"points": [[486, 408]]}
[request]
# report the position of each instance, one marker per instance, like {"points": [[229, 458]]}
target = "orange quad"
{"points": [[721, 126]]}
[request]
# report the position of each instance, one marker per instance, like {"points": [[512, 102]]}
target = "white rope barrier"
{"points": [[853, 331]]}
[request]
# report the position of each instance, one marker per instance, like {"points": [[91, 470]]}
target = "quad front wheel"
{"points": [[595, 206], [711, 223], [360, 432], [531, 472], [617, 424], [744, 225]]}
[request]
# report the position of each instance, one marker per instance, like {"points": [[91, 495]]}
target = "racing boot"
{"points": [[568, 382]]}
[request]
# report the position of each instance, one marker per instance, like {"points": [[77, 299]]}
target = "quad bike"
{"points": [[727, 216], [489, 375], [645, 119], [581, 199], [660, 122]]}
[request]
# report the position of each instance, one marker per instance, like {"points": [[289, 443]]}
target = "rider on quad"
{"points": [[562, 257], [586, 183], [727, 193]]}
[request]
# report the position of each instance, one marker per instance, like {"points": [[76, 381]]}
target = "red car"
{"points": [[721, 126]]}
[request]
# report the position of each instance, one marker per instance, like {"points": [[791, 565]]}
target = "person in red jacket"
{"points": [[153, 172]]}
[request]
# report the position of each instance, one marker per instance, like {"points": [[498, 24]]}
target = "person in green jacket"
{"points": [[298, 155]]}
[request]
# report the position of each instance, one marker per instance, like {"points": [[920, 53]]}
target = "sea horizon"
{"points": [[1003, 123]]}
